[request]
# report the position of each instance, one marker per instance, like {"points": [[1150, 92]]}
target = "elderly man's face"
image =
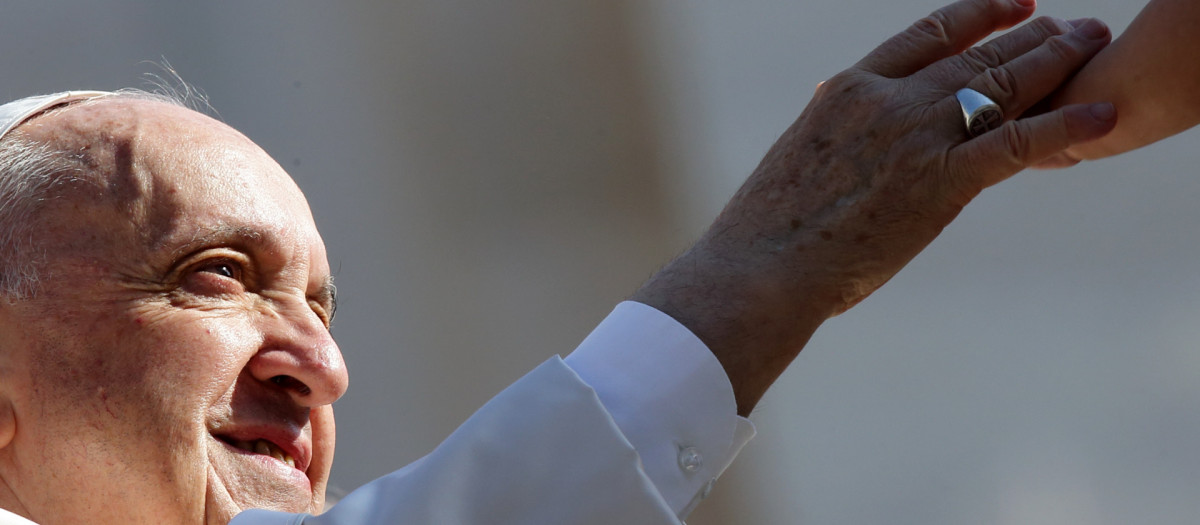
{"points": [[176, 365]]}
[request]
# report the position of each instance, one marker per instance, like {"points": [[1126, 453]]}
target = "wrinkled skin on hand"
{"points": [[871, 172]]}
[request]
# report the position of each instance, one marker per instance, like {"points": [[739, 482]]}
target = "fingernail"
{"points": [[1092, 29], [1025, 3], [1103, 111]]}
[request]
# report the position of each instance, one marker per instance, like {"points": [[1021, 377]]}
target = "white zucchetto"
{"points": [[14, 113]]}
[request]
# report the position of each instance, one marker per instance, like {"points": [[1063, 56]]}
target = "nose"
{"points": [[299, 356]]}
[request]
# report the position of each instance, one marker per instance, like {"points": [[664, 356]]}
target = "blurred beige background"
{"points": [[491, 177]]}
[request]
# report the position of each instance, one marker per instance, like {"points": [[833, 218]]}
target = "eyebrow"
{"points": [[216, 235]]}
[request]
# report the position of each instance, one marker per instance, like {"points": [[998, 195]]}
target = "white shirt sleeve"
{"points": [[669, 396], [634, 427]]}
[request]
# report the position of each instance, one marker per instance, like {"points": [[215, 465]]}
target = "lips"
{"points": [[283, 447], [264, 447]]}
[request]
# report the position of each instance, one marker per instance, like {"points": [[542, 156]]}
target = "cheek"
{"points": [[191, 353], [142, 364]]}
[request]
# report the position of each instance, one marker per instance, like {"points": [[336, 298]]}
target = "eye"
{"points": [[227, 269], [219, 275]]}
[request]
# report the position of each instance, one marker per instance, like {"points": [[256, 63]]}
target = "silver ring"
{"points": [[982, 114]]}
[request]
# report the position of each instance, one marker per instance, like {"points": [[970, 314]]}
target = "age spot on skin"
{"points": [[795, 224], [826, 235]]}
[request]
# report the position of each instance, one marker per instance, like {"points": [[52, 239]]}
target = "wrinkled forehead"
{"points": [[171, 172]]}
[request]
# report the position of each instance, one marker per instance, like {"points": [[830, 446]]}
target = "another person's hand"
{"points": [[1150, 73], [875, 167]]}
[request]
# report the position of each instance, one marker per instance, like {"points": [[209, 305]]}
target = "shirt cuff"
{"points": [[668, 395]]}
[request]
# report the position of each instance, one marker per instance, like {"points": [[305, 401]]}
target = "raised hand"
{"points": [[875, 167]]}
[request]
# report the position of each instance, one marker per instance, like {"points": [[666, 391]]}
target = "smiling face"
{"points": [[175, 365]]}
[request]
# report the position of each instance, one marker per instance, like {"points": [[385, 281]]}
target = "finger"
{"points": [[1055, 162], [957, 70], [1022, 82], [945, 32], [998, 154]]}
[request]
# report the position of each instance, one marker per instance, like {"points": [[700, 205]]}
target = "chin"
{"points": [[241, 478]]}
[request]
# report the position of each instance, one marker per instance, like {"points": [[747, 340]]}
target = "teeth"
{"points": [[266, 448]]}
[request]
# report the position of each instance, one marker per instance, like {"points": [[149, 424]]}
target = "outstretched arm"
{"points": [[1151, 73], [876, 165]]}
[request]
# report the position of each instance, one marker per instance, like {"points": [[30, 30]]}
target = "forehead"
{"points": [[174, 176]]}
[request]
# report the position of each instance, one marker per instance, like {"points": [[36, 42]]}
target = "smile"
{"points": [[261, 446]]}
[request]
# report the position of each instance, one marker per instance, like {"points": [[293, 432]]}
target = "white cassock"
{"points": [[634, 427]]}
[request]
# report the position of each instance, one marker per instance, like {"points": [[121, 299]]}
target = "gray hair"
{"points": [[29, 172]]}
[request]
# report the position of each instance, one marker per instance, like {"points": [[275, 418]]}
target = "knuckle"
{"points": [[839, 83], [1016, 141], [1001, 84], [1046, 26], [982, 57], [1062, 48], [932, 27]]}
